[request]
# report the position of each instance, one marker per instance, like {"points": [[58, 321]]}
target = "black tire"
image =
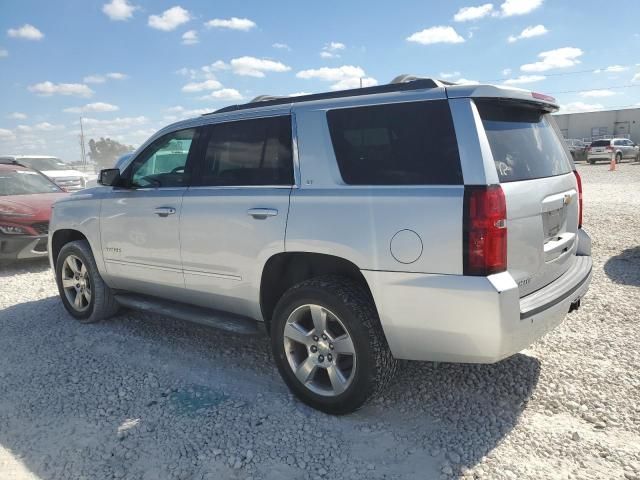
{"points": [[352, 304], [103, 304], [591, 162], [618, 158]]}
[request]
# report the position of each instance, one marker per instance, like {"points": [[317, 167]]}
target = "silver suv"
{"points": [[614, 148], [417, 220]]}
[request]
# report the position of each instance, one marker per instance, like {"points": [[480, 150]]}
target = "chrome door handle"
{"points": [[165, 211], [262, 213]]}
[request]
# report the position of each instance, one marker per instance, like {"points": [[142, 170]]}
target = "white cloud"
{"points": [[344, 77], [4, 52], [215, 67], [330, 49], [179, 111], [27, 32], [114, 124], [46, 127], [439, 34], [281, 46], [93, 108], [612, 69], [529, 32], [446, 75], [466, 81], [255, 67], [597, 93], [170, 19], [190, 38], [233, 23], [558, 58], [519, 7], [99, 78], [210, 84], [6, 134], [473, 13], [49, 88], [636, 78], [506, 71], [524, 79], [119, 10], [17, 116], [580, 107], [223, 94]]}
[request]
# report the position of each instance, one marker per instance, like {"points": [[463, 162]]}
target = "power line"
{"points": [[616, 87]]}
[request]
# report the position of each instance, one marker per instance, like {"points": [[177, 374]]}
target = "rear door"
{"points": [[536, 175], [234, 216]]}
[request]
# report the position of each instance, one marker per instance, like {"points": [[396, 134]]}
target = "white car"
{"points": [[61, 173]]}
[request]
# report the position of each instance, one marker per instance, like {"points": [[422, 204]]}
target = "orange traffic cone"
{"points": [[612, 166]]}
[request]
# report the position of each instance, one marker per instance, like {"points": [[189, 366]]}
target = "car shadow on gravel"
{"points": [[54, 402], [18, 267], [625, 267]]}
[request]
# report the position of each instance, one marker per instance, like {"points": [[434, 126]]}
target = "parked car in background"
{"points": [[577, 148], [417, 220], [60, 172], [618, 148], [26, 197]]}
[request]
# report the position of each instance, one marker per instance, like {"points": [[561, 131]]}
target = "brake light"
{"points": [[579, 181], [542, 96], [485, 230]]}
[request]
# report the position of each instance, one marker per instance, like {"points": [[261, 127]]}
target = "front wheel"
{"points": [[329, 346], [83, 292]]}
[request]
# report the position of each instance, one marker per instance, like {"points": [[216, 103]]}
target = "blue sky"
{"points": [[132, 66]]}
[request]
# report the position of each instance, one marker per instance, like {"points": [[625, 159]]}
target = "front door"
{"points": [[140, 220], [234, 216]]}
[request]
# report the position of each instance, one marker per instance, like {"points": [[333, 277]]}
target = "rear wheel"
{"points": [[329, 345], [591, 161], [618, 157], [83, 292]]}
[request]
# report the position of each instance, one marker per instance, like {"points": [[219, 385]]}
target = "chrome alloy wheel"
{"points": [[76, 283], [319, 350]]}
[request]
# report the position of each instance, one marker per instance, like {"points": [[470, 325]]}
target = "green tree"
{"points": [[105, 151]]}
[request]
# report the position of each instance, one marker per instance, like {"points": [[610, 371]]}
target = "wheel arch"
{"points": [[286, 269], [61, 237]]}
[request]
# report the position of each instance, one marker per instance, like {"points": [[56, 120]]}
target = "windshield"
{"points": [[24, 182], [49, 163], [524, 142]]}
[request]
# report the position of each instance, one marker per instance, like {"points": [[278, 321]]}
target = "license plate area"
{"points": [[554, 223]]}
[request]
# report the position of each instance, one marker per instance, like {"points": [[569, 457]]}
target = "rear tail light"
{"points": [[579, 181], [485, 230]]}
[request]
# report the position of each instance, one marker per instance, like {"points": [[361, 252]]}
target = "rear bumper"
{"points": [[17, 247], [600, 156], [452, 318]]}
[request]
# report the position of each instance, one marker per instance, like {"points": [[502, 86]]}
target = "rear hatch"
{"points": [[600, 146], [536, 175]]}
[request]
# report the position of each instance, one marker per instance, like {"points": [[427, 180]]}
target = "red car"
{"points": [[26, 197]]}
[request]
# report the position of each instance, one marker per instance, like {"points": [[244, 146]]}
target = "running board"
{"points": [[205, 316]]}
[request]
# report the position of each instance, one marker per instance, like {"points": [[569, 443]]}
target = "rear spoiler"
{"points": [[545, 102]]}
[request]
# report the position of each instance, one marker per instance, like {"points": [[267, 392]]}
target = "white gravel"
{"points": [[142, 397]]}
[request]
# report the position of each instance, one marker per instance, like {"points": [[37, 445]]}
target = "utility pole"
{"points": [[360, 82], [83, 157]]}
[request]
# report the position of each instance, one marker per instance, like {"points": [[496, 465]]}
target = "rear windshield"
{"points": [[601, 143], [411, 143], [524, 142]]}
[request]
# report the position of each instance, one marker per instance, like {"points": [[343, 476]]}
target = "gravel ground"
{"points": [[144, 397]]}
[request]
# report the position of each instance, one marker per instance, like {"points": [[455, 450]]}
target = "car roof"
{"points": [[13, 167]]}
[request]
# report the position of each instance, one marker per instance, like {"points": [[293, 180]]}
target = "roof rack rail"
{"points": [[410, 83]]}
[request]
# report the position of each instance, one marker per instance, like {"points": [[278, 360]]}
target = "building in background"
{"points": [[590, 126]]}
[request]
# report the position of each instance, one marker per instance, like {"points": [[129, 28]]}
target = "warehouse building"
{"points": [[590, 126]]}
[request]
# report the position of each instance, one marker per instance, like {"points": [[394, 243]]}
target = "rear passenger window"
{"points": [[248, 152], [396, 144]]}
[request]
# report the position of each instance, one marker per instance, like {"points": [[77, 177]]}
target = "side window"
{"points": [[163, 163], [248, 152], [396, 144]]}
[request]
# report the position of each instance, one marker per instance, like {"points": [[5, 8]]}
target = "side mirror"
{"points": [[109, 177]]}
